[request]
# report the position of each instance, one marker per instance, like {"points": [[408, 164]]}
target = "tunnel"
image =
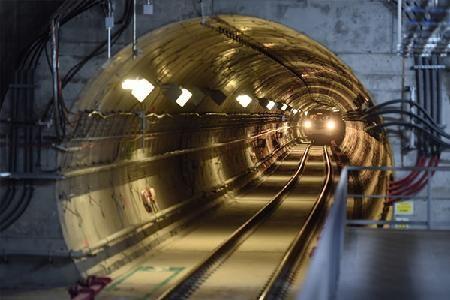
{"points": [[205, 147], [112, 150]]}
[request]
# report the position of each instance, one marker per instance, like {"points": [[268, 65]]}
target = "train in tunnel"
{"points": [[323, 126]]}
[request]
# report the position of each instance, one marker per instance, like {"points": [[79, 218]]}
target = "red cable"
{"points": [[416, 181], [418, 185], [419, 163]]}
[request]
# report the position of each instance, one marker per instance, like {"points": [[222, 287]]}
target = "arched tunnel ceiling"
{"points": [[234, 54]]}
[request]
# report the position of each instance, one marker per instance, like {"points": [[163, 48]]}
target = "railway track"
{"points": [[260, 258]]}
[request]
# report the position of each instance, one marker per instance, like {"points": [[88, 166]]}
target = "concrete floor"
{"points": [[395, 264]]}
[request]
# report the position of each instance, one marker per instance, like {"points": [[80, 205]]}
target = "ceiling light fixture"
{"points": [[244, 100], [270, 105], [184, 97], [140, 88]]}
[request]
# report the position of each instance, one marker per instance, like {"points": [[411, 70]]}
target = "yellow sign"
{"points": [[404, 208]]}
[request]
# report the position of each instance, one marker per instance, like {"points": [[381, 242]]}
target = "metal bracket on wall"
{"points": [[420, 67], [32, 176]]}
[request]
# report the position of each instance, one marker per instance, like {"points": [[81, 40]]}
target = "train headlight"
{"points": [[307, 124], [331, 124]]}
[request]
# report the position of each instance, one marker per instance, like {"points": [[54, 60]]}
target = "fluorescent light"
{"points": [[244, 100], [284, 107], [140, 93], [270, 105], [5, 174], [184, 97], [140, 88], [129, 84], [295, 111]]}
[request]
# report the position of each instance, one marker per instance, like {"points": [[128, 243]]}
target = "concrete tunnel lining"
{"points": [[170, 55], [107, 170]]}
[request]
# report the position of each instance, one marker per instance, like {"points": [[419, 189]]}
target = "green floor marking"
{"points": [[121, 279], [175, 271]]}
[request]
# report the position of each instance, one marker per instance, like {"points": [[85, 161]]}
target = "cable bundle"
{"points": [[10, 210], [430, 138]]}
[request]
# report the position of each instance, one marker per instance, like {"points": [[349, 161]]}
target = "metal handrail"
{"points": [[321, 282], [322, 278]]}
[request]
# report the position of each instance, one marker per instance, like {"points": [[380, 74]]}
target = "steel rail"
{"points": [[278, 284], [184, 287]]}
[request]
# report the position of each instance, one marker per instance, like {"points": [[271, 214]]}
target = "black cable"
{"points": [[406, 124], [419, 135], [29, 60], [6, 199], [99, 49], [18, 209], [7, 214], [417, 117], [410, 102]]}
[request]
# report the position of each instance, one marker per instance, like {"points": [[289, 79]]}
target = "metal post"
{"points": [[55, 71], [142, 115], [438, 93], [54, 59], [399, 25], [109, 23], [134, 30], [413, 109], [429, 199], [403, 137], [431, 77], [425, 85], [419, 97], [424, 93]]}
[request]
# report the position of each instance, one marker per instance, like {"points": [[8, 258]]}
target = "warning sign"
{"points": [[404, 208]]}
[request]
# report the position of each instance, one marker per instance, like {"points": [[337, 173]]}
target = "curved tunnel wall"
{"points": [[199, 152]]}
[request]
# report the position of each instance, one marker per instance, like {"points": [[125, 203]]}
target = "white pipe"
{"points": [[134, 30], [109, 29], [109, 43], [399, 25]]}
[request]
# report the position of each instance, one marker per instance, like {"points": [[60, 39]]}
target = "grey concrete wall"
{"points": [[21, 22], [361, 33]]}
